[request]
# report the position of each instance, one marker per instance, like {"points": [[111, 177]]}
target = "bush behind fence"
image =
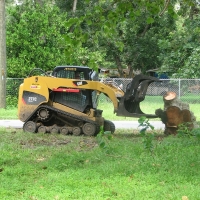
{"points": [[187, 90]]}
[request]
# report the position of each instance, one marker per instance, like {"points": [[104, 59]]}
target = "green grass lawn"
{"points": [[148, 106], [57, 167], [10, 113]]}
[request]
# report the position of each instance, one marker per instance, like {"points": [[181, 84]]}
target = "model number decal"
{"points": [[32, 99]]}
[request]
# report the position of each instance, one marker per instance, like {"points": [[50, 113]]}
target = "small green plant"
{"points": [[184, 130], [147, 136], [103, 137], [196, 133]]}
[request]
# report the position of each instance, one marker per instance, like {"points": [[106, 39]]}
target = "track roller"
{"points": [[30, 127], [54, 129], [64, 130], [89, 129], [42, 129], [76, 131]]}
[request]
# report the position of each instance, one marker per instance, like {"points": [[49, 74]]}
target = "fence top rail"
{"points": [[181, 79], [14, 78], [171, 79]]}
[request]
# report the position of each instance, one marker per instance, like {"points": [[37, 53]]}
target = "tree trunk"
{"points": [[170, 99], [119, 65], [40, 2], [2, 55], [130, 70], [73, 11], [74, 6], [175, 113]]}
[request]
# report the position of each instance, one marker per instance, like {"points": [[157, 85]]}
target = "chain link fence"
{"points": [[12, 91], [187, 90], [12, 86]]}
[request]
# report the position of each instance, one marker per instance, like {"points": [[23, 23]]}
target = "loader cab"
{"points": [[83, 100], [75, 72]]}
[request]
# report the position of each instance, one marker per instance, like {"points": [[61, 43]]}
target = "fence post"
{"points": [[179, 88]]}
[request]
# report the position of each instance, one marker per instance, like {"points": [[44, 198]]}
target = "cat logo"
{"points": [[79, 83]]}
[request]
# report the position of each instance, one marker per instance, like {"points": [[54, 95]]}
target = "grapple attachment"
{"points": [[129, 104]]}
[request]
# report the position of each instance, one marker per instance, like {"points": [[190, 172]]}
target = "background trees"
{"points": [[126, 32], [134, 35], [180, 49], [34, 38]]}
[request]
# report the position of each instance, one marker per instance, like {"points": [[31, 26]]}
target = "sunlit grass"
{"points": [[148, 106], [9, 113]]}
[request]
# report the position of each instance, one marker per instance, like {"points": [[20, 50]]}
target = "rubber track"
{"points": [[84, 119]]}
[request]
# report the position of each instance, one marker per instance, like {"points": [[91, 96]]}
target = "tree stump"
{"points": [[175, 113], [170, 99]]}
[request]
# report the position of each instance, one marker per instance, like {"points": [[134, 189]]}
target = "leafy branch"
{"points": [[148, 137]]}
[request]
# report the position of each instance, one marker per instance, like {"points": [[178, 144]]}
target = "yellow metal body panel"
{"points": [[31, 85], [111, 91], [41, 85]]}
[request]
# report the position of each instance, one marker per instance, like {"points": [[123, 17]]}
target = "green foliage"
{"points": [[34, 38], [11, 101], [66, 6], [148, 137], [185, 131], [12, 90], [180, 49], [196, 133], [104, 137], [118, 33], [123, 34]]}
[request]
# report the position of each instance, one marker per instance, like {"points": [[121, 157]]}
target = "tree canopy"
{"points": [[34, 38], [121, 34]]}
